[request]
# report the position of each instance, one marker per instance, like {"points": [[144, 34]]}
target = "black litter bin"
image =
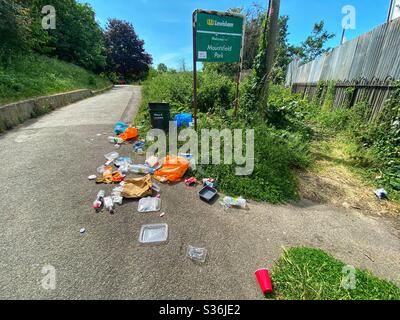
{"points": [[160, 115]]}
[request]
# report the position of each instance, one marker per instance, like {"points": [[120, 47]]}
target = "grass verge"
{"points": [[32, 75], [312, 274]]}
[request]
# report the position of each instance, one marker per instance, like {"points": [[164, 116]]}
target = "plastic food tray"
{"points": [[153, 233], [208, 193]]}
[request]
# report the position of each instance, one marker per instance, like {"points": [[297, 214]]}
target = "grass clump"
{"points": [[312, 274], [32, 75]]}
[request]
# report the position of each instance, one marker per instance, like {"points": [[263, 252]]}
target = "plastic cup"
{"points": [[264, 281]]}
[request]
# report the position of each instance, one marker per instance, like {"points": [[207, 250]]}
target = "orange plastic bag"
{"points": [[173, 169], [129, 134]]}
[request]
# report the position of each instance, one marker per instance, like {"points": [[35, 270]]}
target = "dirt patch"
{"points": [[336, 185]]}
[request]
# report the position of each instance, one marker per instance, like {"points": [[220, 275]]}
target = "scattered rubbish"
{"points": [[120, 127], [117, 177], [112, 156], [172, 170], [129, 134], [152, 161], [138, 146], [197, 254], [115, 140], [208, 194], [92, 177], [109, 204], [191, 181], [149, 204], [139, 168], [229, 202], [122, 160], [381, 194], [158, 196], [183, 119], [109, 163], [99, 202], [101, 169], [153, 233], [117, 146], [156, 187], [162, 214], [99, 135], [82, 231], [137, 188], [117, 198], [264, 281], [209, 182]]}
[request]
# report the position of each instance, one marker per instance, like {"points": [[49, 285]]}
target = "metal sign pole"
{"points": [[194, 71], [239, 78]]}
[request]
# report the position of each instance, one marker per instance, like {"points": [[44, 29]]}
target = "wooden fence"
{"points": [[363, 69], [347, 94]]}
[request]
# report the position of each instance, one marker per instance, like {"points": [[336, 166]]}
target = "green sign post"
{"points": [[217, 37]]}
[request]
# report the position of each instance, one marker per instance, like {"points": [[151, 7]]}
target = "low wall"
{"points": [[16, 113]]}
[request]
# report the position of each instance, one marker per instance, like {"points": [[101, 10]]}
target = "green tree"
{"points": [[162, 68], [15, 29], [125, 51], [77, 38], [314, 46]]}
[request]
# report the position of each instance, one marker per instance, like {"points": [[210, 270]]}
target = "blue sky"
{"points": [[165, 25]]}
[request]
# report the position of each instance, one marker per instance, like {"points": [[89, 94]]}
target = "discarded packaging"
{"points": [[109, 204], [234, 202], [99, 202], [137, 188], [183, 119], [208, 194], [149, 204], [115, 140], [139, 168], [138, 146], [82, 231], [173, 169], [153, 233], [381, 194], [197, 254], [156, 187], [129, 134], [152, 161], [112, 156], [162, 214], [122, 160], [92, 177], [120, 127], [191, 181]]}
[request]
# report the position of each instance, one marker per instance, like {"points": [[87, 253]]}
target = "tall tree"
{"points": [[125, 51], [14, 27], [314, 46], [162, 68]]}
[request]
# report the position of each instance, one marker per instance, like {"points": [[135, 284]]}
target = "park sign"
{"points": [[218, 36]]}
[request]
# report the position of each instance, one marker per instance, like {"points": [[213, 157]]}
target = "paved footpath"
{"points": [[46, 199]]}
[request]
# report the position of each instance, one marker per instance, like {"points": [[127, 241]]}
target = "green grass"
{"points": [[312, 274], [32, 75]]}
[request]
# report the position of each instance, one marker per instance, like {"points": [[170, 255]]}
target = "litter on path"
{"points": [[149, 204], [137, 188], [381, 194], [264, 281], [153, 233], [229, 202], [172, 170], [208, 194], [197, 254]]}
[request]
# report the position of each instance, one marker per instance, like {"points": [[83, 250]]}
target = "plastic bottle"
{"points": [[139, 168], [235, 202], [115, 140], [109, 204], [99, 202]]}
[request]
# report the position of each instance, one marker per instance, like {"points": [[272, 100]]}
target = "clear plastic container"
{"points": [[197, 254], [149, 204]]}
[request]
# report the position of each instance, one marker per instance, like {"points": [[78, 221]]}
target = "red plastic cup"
{"points": [[264, 281]]}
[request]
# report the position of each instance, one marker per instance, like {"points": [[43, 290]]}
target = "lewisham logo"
{"points": [[215, 23]]}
